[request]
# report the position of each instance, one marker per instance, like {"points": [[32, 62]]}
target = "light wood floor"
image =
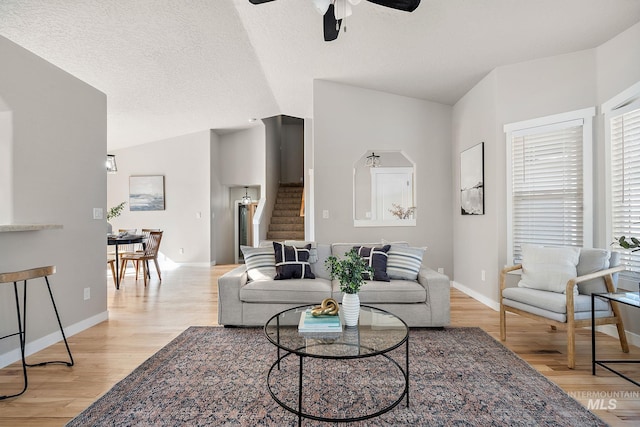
{"points": [[141, 321]]}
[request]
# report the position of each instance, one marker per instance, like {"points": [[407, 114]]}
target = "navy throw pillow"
{"points": [[377, 259], [292, 262]]}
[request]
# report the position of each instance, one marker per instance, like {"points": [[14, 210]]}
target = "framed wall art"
{"points": [[472, 180], [146, 193]]}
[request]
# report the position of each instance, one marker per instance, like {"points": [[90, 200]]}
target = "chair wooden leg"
{"points": [[113, 273], [123, 268], [571, 347], [155, 260], [144, 273], [503, 323], [622, 335]]}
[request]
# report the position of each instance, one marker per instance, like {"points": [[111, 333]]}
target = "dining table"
{"points": [[127, 239]]}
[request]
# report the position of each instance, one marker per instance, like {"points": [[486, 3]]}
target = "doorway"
{"points": [[244, 227]]}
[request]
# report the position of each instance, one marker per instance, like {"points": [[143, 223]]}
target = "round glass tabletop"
{"points": [[377, 332]]}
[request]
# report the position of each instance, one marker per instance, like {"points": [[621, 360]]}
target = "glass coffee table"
{"points": [[344, 376]]}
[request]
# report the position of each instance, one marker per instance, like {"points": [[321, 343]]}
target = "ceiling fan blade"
{"points": [[405, 5], [331, 25], [259, 1]]}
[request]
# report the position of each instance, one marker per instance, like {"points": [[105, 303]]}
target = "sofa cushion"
{"points": [[552, 301], [292, 262], [376, 258], [294, 291], [548, 268], [393, 292], [591, 261], [404, 262], [260, 262]]}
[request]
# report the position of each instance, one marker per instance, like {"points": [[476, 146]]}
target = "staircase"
{"points": [[287, 223]]}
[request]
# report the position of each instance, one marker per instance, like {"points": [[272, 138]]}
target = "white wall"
{"points": [[618, 68], [273, 138], [185, 163], [350, 120], [243, 154], [476, 237], [525, 91], [292, 153], [59, 152], [220, 215]]}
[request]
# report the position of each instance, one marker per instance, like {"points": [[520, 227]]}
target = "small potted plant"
{"points": [[114, 212], [349, 271], [628, 243]]}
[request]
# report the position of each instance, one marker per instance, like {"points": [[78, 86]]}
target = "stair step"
{"points": [[287, 220], [286, 212], [287, 206], [291, 189], [285, 235], [289, 196], [286, 227]]}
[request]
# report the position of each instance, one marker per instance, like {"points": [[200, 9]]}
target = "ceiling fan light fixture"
{"points": [[342, 9], [321, 5]]}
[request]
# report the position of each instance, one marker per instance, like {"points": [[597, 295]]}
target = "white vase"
{"points": [[350, 309]]}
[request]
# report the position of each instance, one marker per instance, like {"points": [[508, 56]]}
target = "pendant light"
{"points": [[246, 199], [373, 160], [111, 163]]}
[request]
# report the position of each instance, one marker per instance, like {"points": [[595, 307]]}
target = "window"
{"points": [[549, 182], [622, 130]]}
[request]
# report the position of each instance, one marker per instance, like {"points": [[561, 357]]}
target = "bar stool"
{"points": [[23, 276]]}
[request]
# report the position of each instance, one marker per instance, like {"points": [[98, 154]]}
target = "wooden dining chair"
{"points": [[150, 252], [111, 263], [140, 246], [126, 249]]}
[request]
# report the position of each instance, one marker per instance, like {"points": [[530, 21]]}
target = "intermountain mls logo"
{"points": [[603, 400]]}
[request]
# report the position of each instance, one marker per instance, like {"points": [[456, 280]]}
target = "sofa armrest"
{"points": [[438, 289], [229, 304]]}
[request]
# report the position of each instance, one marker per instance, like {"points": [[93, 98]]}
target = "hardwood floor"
{"points": [[141, 321]]}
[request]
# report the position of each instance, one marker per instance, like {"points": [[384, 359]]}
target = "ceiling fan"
{"points": [[334, 11]]}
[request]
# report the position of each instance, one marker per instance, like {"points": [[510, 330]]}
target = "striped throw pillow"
{"points": [[260, 262], [404, 262]]}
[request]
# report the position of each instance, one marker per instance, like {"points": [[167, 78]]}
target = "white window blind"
{"points": [[624, 128], [547, 189], [549, 182]]}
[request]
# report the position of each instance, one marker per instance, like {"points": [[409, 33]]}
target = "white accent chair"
{"points": [[596, 273]]}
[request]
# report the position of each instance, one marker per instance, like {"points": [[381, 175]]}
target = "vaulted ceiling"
{"points": [[175, 67]]}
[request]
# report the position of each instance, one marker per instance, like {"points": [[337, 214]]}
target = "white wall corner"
{"points": [[477, 296]]}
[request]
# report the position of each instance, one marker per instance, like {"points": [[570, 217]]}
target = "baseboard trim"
{"points": [[44, 342], [477, 296], [611, 330]]}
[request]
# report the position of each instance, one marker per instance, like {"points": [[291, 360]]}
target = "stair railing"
{"points": [[257, 220]]}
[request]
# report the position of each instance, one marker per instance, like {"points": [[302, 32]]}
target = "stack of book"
{"points": [[319, 324]]}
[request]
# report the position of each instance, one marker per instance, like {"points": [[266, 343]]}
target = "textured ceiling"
{"points": [[174, 67]]}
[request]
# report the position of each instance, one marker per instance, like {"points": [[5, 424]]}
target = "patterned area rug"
{"points": [[217, 376]]}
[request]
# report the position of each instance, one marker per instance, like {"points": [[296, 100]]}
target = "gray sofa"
{"points": [[420, 303]]}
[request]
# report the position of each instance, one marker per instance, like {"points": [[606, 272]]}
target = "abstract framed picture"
{"points": [[472, 180], [146, 193]]}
